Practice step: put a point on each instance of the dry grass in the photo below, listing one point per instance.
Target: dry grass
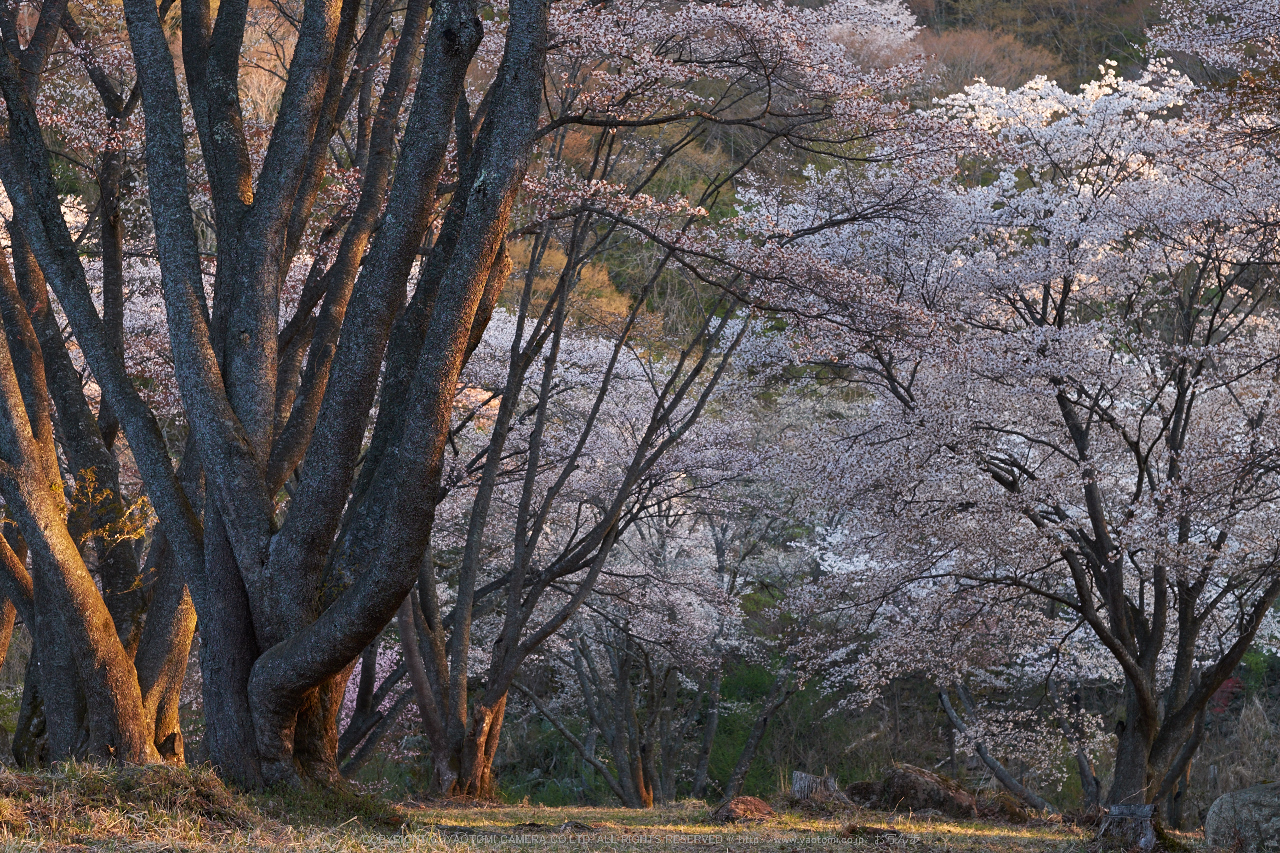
(687, 827)
(86, 807)
(79, 807)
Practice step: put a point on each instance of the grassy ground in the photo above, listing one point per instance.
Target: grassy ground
(685, 826)
(161, 809)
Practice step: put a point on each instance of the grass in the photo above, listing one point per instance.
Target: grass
(157, 808)
(89, 808)
(685, 826)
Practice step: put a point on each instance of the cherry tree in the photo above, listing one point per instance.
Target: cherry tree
(1238, 34)
(1011, 672)
(1075, 405)
(632, 662)
(322, 407)
(1236, 42)
(549, 474)
(639, 669)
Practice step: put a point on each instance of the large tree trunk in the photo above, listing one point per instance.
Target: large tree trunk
(57, 684)
(1134, 780)
(64, 590)
(274, 668)
(316, 737)
(479, 746)
(1178, 778)
(228, 648)
(163, 651)
(97, 513)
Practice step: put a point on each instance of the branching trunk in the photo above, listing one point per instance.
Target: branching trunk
(291, 541)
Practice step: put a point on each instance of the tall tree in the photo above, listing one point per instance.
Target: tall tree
(296, 475)
(1078, 418)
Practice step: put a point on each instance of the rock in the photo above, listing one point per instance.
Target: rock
(1247, 821)
(742, 808)
(908, 788)
(867, 794)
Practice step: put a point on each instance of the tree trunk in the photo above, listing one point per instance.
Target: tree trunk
(118, 723)
(708, 739)
(228, 648)
(1089, 782)
(110, 174)
(587, 753)
(1006, 778)
(1176, 800)
(30, 741)
(1134, 782)
(641, 773)
(475, 776)
(97, 513)
(315, 742)
(163, 652)
(781, 691)
(57, 683)
(8, 616)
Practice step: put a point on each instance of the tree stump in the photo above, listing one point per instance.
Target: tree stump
(1129, 825)
(806, 786)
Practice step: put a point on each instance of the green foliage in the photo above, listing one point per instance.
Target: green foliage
(1259, 669)
(391, 776)
(536, 765)
(748, 683)
(809, 733)
(70, 181)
